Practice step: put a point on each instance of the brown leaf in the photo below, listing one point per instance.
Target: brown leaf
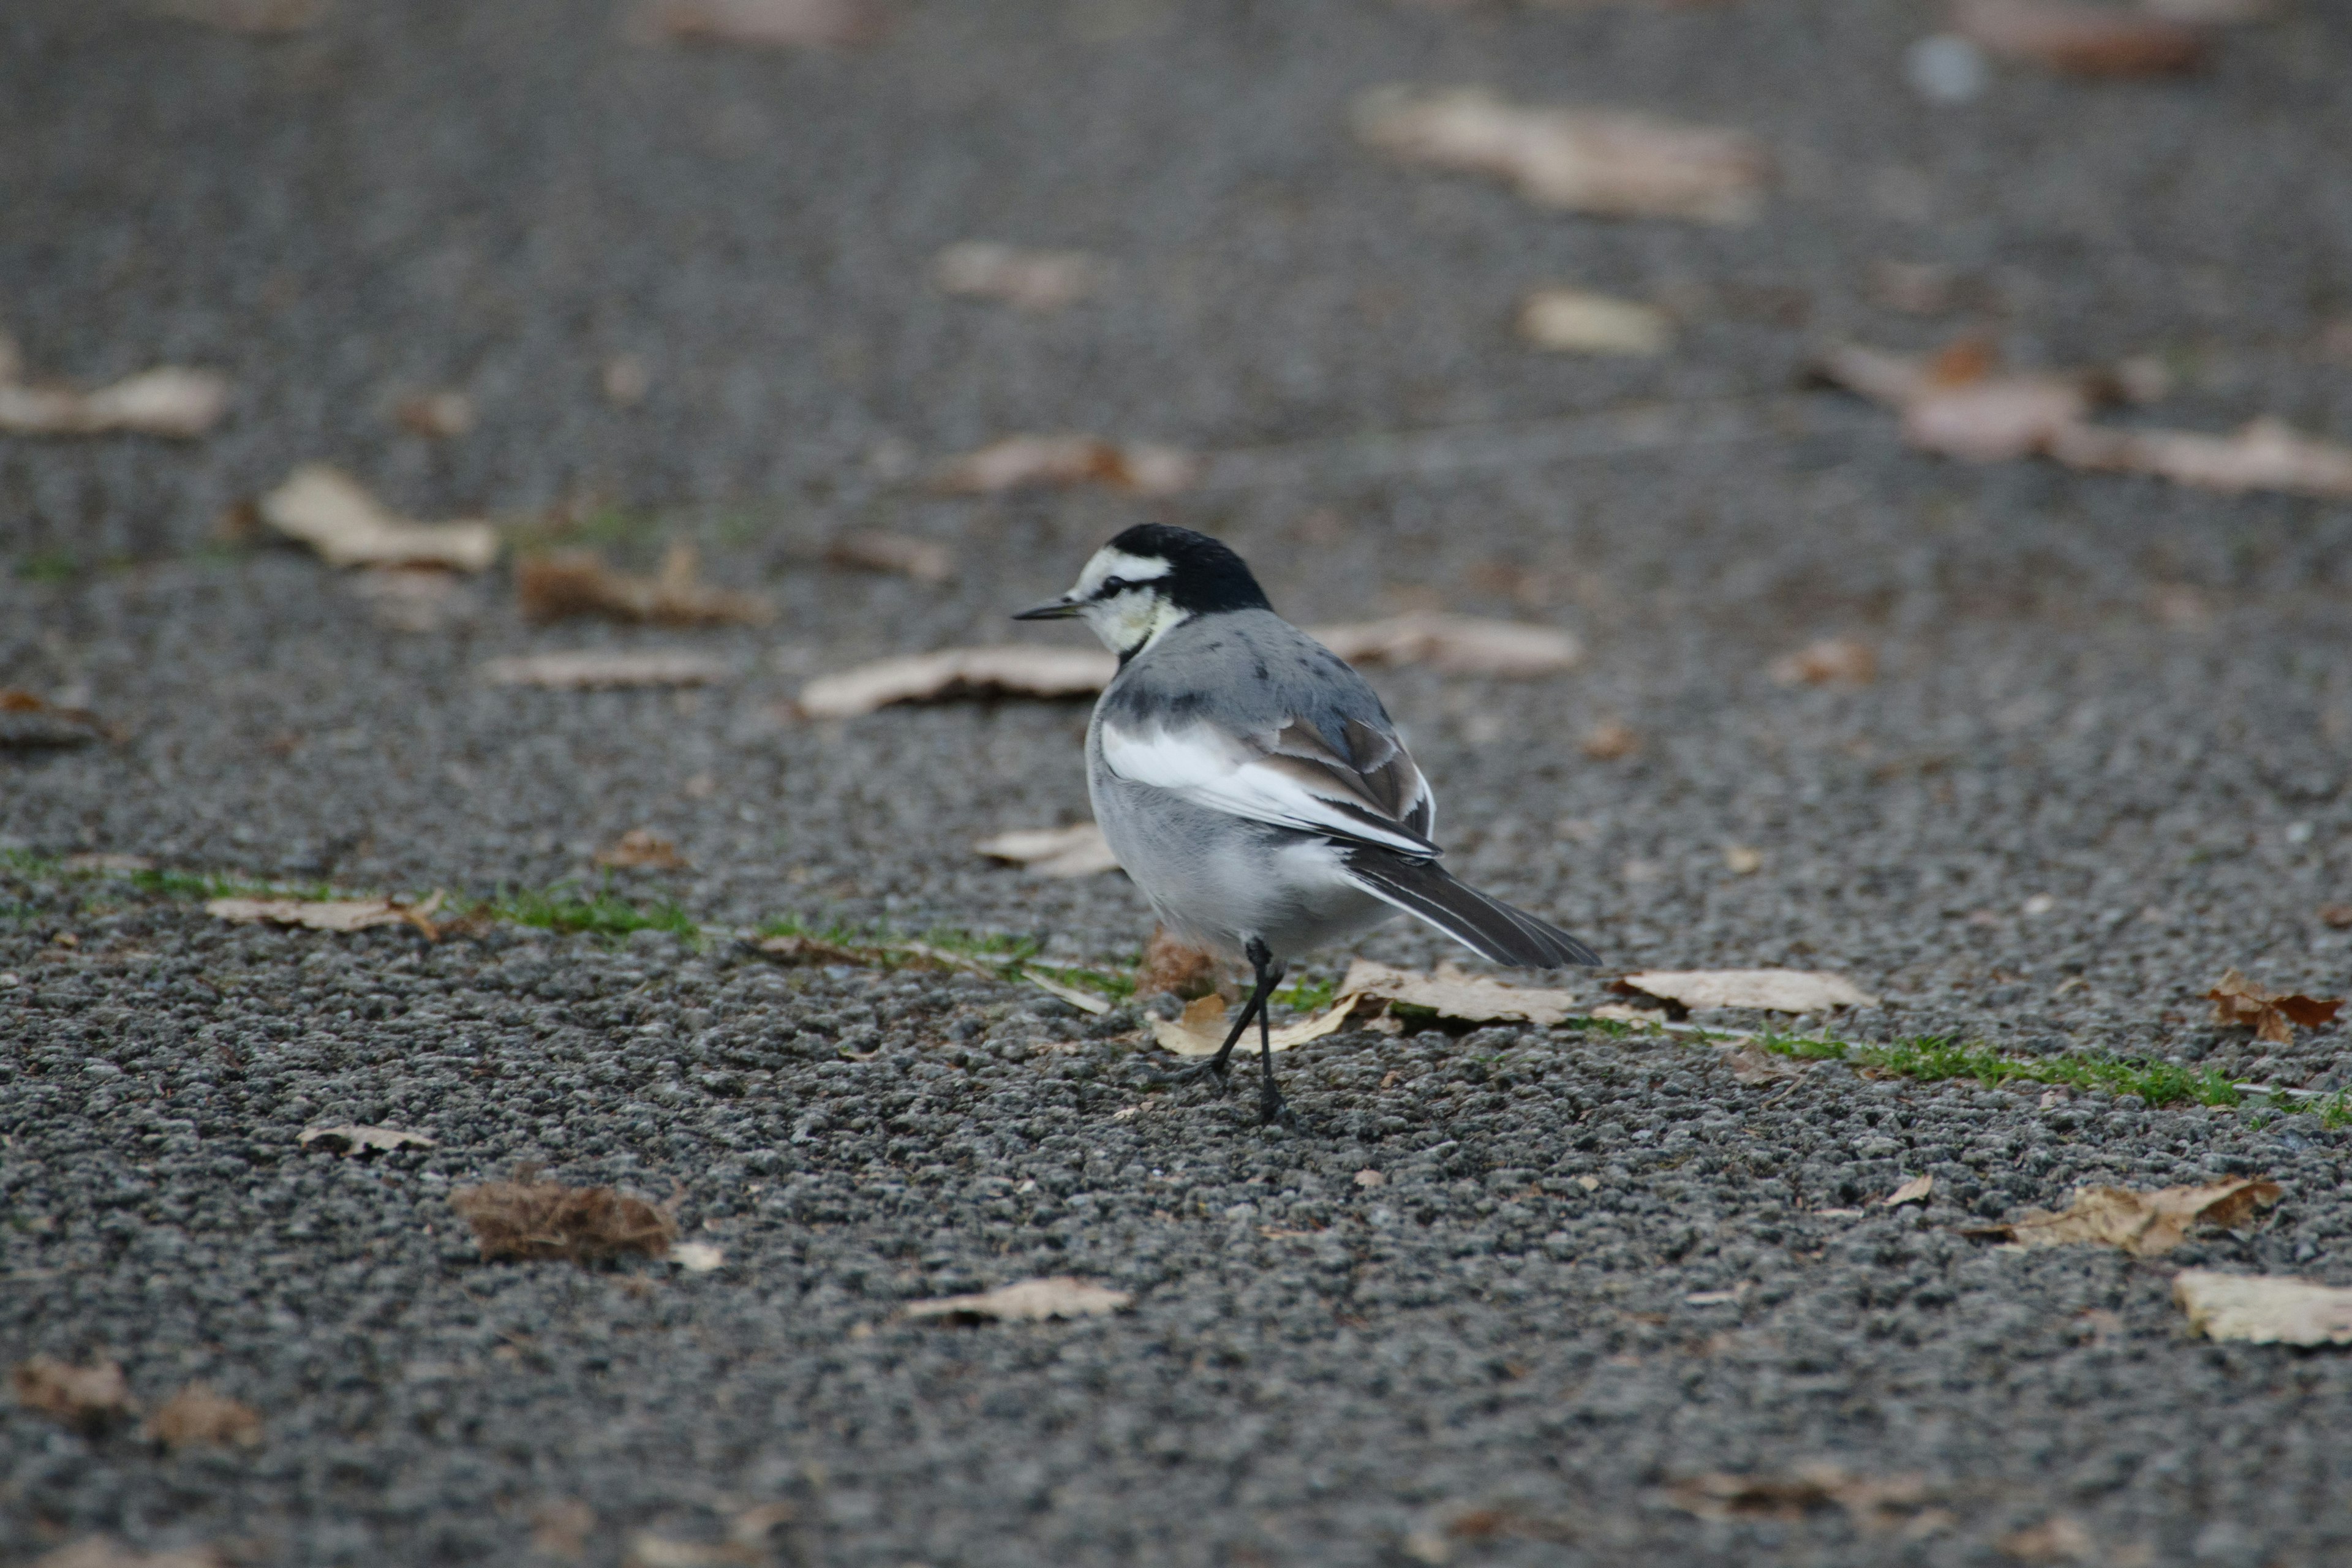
(874, 552)
(1018, 669)
(578, 582)
(2336, 916)
(262, 18)
(105, 1551)
(1618, 166)
(439, 416)
(348, 1139)
(1458, 645)
(171, 402)
(1914, 1191)
(546, 1219)
(29, 722)
(770, 23)
(1611, 740)
(2238, 1003)
(1022, 462)
(199, 1414)
(1833, 661)
(1075, 851)
(1765, 990)
(322, 507)
(86, 1398)
(330, 914)
(2058, 1538)
(1027, 1300)
(2263, 1309)
(2266, 454)
(1873, 1502)
(1173, 966)
(642, 850)
(590, 671)
(2081, 39)
(2145, 1224)
(1577, 321)
(1035, 280)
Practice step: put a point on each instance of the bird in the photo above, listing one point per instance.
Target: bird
(1252, 787)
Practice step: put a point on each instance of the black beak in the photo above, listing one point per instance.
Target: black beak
(1060, 609)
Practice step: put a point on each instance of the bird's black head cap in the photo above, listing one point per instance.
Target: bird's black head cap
(1205, 575)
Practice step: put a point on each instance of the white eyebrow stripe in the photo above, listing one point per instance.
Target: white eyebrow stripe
(1109, 563)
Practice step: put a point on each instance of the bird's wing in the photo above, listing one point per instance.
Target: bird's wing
(1290, 776)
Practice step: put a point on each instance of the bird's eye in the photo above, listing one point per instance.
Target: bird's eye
(1112, 585)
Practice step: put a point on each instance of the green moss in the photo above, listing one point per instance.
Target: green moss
(1933, 1058)
(563, 908)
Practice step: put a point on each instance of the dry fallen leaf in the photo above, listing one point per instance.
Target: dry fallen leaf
(2145, 1224)
(1201, 1032)
(1076, 851)
(588, 670)
(1174, 966)
(546, 1219)
(770, 23)
(28, 722)
(1752, 1064)
(1028, 1300)
(1765, 990)
(1873, 1503)
(105, 1551)
(1958, 404)
(1833, 661)
(440, 415)
(2081, 39)
(643, 849)
(1741, 860)
(1370, 1178)
(1576, 320)
(2263, 1309)
(1083, 1000)
(2238, 1003)
(171, 402)
(873, 552)
(1018, 462)
(85, 1398)
(322, 507)
(1914, 1191)
(1619, 1013)
(259, 16)
(348, 1139)
(2061, 1538)
(698, 1256)
(330, 914)
(1611, 740)
(578, 582)
(1020, 669)
(1457, 645)
(1618, 166)
(2266, 454)
(1367, 990)
(1038, 280)
(2335, 917)
(197, 1413)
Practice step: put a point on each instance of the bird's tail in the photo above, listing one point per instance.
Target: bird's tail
(1488, 927)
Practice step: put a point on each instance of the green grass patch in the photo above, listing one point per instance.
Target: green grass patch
(1308, 995)
(564, 907)
(1933, 1059)
(47, 566)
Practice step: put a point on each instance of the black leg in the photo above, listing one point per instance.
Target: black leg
(1269, 975)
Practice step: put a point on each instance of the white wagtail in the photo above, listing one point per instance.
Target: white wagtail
(1251, 782)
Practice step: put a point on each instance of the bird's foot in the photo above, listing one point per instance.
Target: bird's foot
(1272, 1111)
(1219, 1070)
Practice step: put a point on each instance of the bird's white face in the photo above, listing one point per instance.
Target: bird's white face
(1120, 597)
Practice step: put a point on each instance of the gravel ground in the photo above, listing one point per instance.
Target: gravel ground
(2103, 761)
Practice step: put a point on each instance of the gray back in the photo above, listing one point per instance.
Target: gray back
(1248, 671)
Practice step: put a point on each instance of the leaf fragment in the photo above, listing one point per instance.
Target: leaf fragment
(199, 1414)
(1578, 321)
(1831, 661)
(1611, 740)
(2079, 39)
(1763, 990)
(698, 1256)
(1026, 1300)
(641, 849)
(1201, 1032)
(595, 669)
(1613, 164)
(1457, 645)
(2061, 1538)
(770, 23)
(1874, 1502)
(1914, 1191)
(2267, 454)
(2238, 1003)
(1084, 1000)
(578, 582)
(322, 507)
(2263, 1309)
(2143, 1224)
(1025, 462)
(1018, 669)
(532, 1219)
(1079, 850)
(88, 1399)
(1035, 280)
(351, 1139)
(330, 914)
(172, 401)
(28, 722)
(872, 551)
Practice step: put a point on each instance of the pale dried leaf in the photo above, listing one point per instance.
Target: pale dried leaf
(200, 1415)
(1035, 280)
(1451, 993)
(2081, 39)
(586, 670)
(262, 18)
(2145, 1224)
(1201, 1032)
(1369, 1179)
(1008, 669)
(1914, 1191)
(1618, 166)
(348, 1139)
(770, 23)
(546, 1219)
(697, 1257)
(1619, 1013)
(2058, 1538)
(324, 914)
(2266, 454)
(1764, 990)
(1752, 1064)
(1028, 1300)
(1020, 462)
(642, 850)
(86, 1398)
(322, 507)
(1833, 661)
(1958, 404)
(170, 400)
(2263, 1309)
(1741, 860)
(1080, 850)
(1611, 740)
(874, 551)
(1458, 645)
(1084, 1000)
(578, 582)
(1577, 321)
(105, 1551)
